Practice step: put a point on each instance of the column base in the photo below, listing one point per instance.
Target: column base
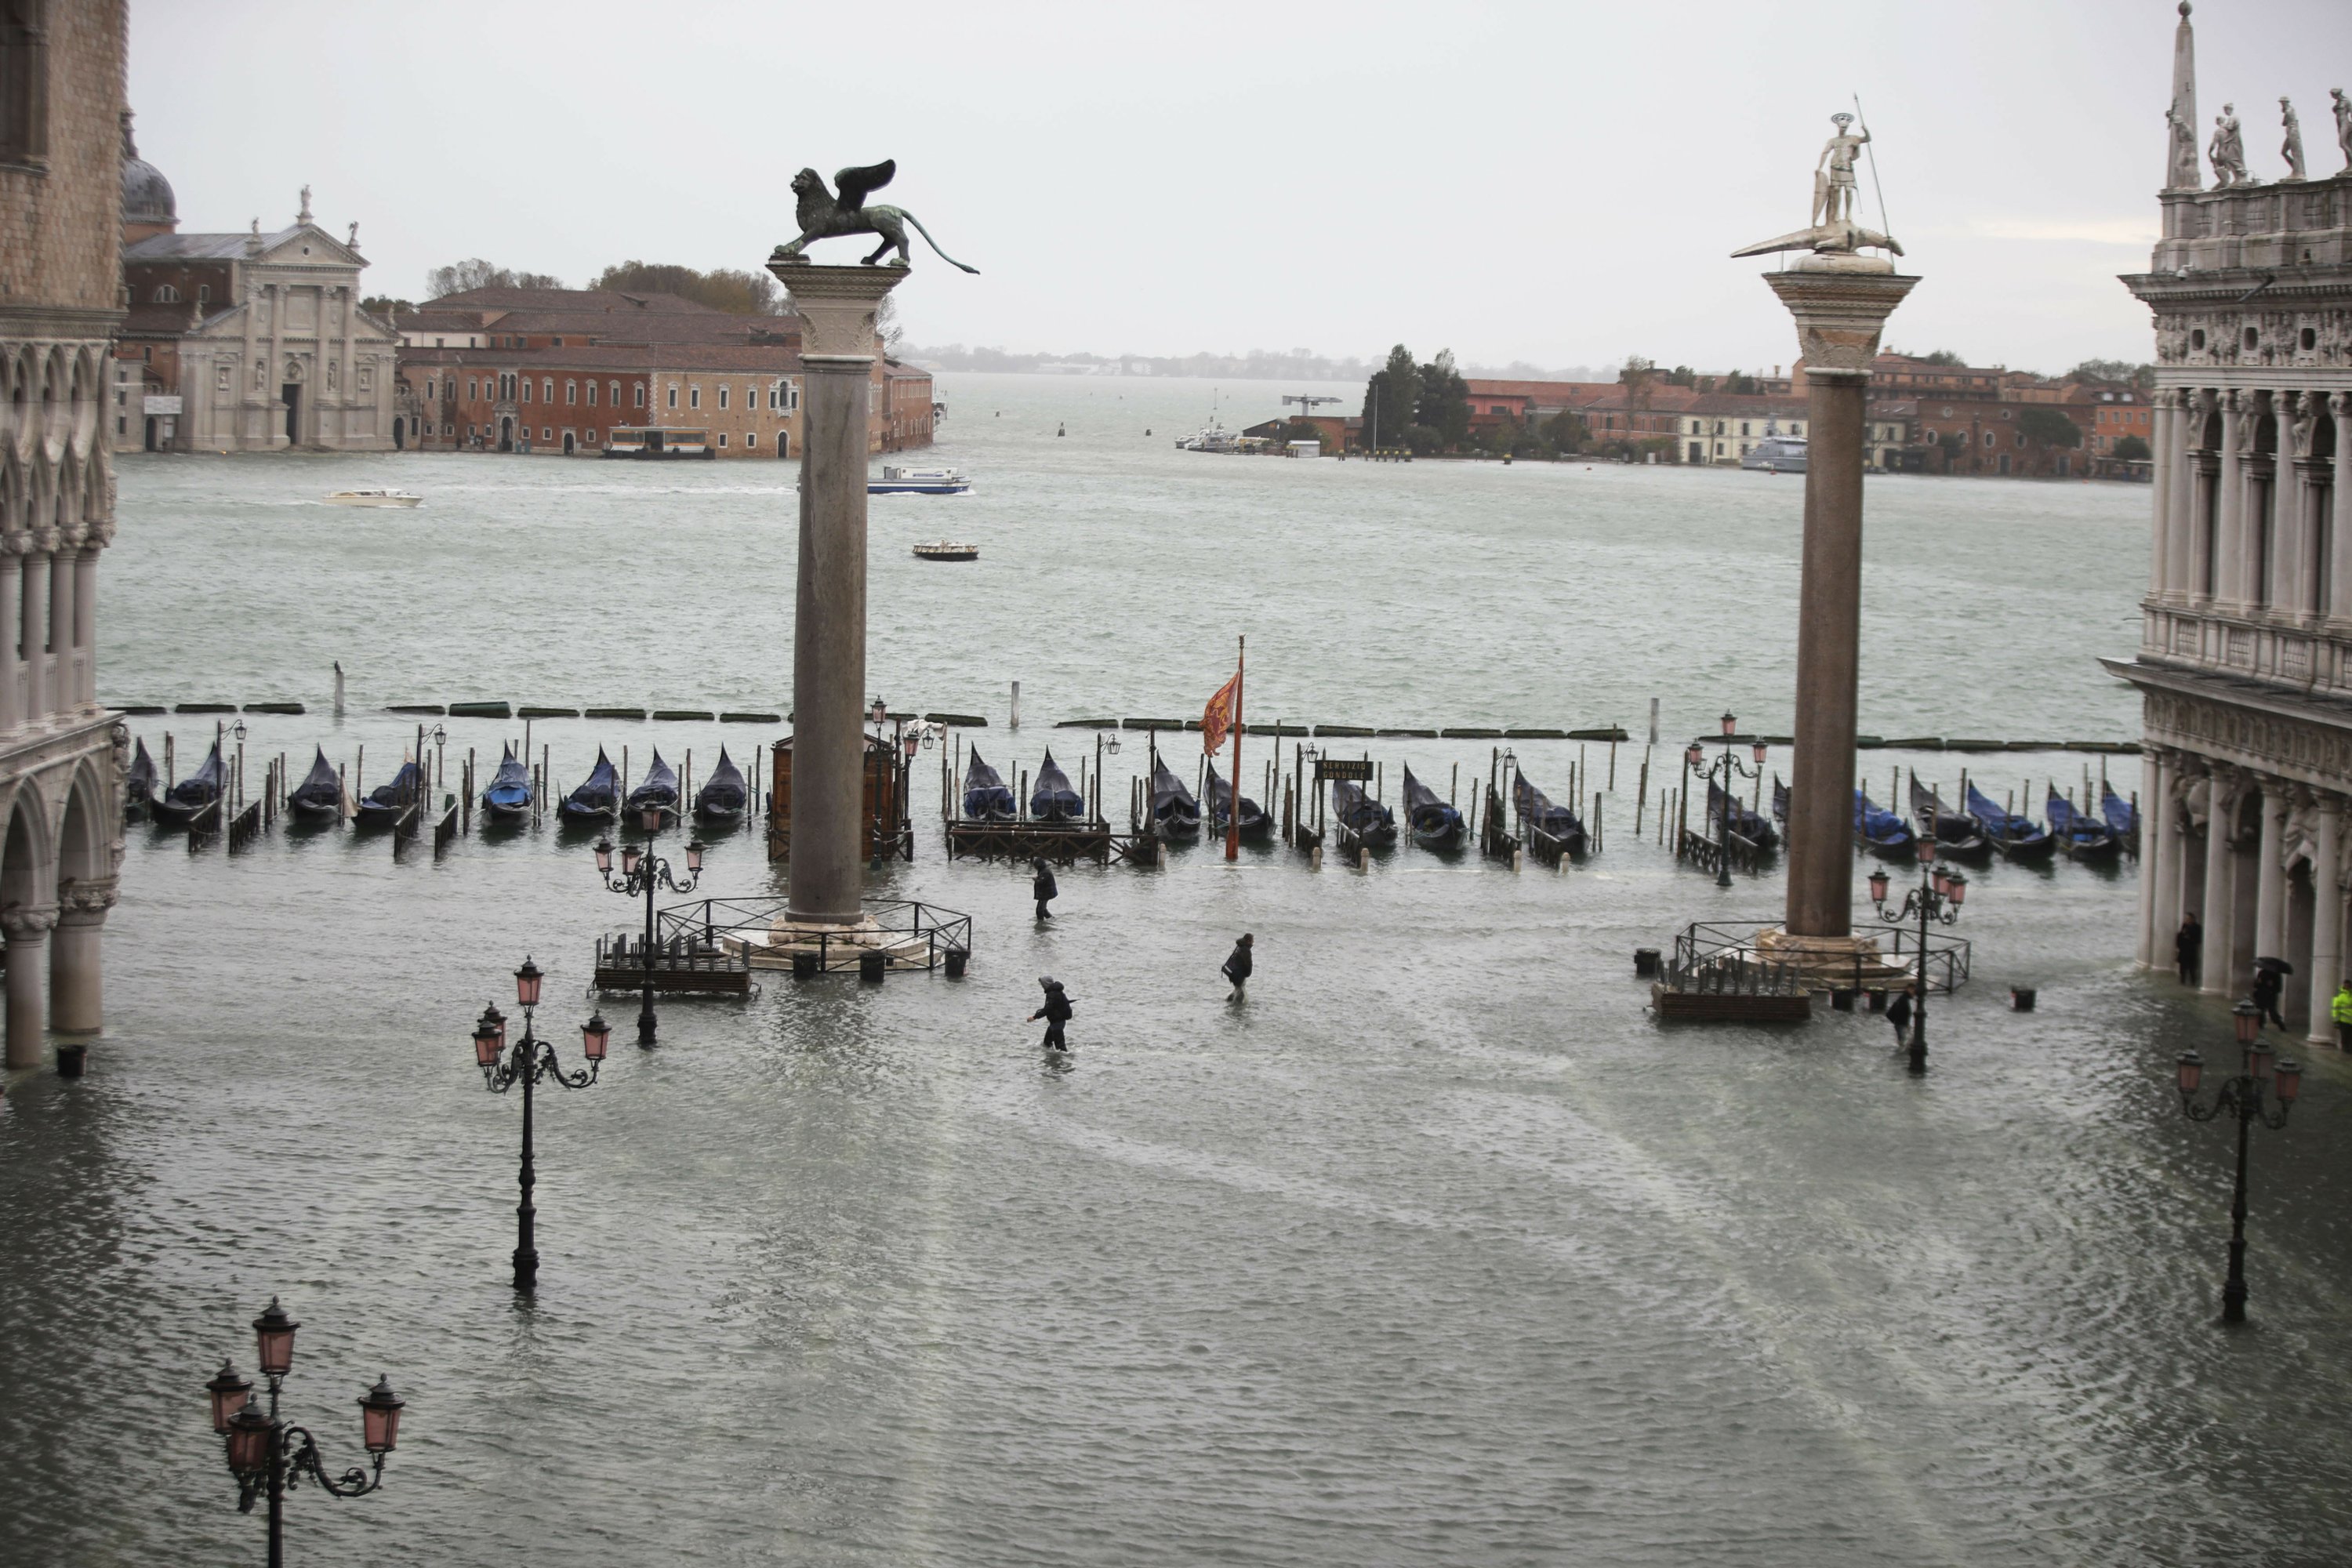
(1834, 963)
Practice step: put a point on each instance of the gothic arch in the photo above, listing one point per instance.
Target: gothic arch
(85, 853)
(27, 849)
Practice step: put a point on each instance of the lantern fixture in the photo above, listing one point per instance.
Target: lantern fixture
(487, 1038)
(594, 1035)
(1878, 885)
(1759, 750)
(1730, 725)
(1959, 890)
(1695, 754)
(2189, 1072)
(273, 1334)
(642, 872)
(249, 1436)
(527, 983)
(228, 1392)
(604, 856)
(2286, 1081)
(694, 851)
(2247, 1019)
(879, 712)
(380, 1410)
(236, 731)
(1928, 845)
(1111, 745)
(630, 856)
(649, 819)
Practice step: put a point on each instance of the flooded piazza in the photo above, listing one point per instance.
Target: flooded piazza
(1438, 1249)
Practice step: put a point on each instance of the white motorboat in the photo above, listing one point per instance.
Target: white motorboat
(1776, 453)
(374, 498)
(898, 481)
(947, 550)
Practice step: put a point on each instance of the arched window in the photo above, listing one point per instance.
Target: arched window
(166, 295)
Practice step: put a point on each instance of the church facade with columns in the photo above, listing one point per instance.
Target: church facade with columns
(2245, 658)
(62, 755)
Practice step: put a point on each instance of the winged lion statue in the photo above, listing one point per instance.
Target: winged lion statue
(824, 215)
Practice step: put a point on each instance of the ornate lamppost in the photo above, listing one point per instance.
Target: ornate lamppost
(1732, 768)
(1939, 896)
(2261, 1083)
(530, 1060)
(268, 1454)
(641, 872)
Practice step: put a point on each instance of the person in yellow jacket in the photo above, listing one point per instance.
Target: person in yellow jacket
(2340, 1009)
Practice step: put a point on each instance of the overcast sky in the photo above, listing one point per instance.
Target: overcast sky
(1557, 183)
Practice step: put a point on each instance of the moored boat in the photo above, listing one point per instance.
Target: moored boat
(1175, 810)
(598, 797)
(386, 803)
(139, 784)
(177, 806)
(1746, 825)
(947, 550)
(1052, 799)
(319, 796)
(1880, 831)
(1255, 822)
(724, 797)
(2080, 837)
(1373, 824)
(1538, 814)
(1434, 823)
(985, 799)
(658, 789)
(509, 797)
(910, 481)
(1957, 835)
(2122, 818)
(2012, 836)
(374, 498)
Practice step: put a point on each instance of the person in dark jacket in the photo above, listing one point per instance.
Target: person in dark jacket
(1898, 1013)
(2189, 951)
(1237, 966)
(1043, 889)
(1056, 1011)
(2265, 998)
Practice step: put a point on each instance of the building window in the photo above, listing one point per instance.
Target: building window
(641, 394)
(1988, 437)
(722, 435)
(2197, 338)
(2309, 340)
(589, 438)
(616, 394)
(2253, 339)
(557, 342)
(526, 389)
(472, 391)
(440, 342)
(122, 427)
(694, 397)
(449, 428)
(547, 433)
(2021, 437)
(547, 389)
(673, 395)
(204, 293)
(723, 396)
(571, 393)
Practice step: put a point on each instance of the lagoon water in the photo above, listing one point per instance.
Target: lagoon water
(1436, 1250)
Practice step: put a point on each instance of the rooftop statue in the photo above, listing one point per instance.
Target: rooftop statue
(2293, 149)
(1834, 230)
(2228, 149)
(823, 216)
(2343, 125)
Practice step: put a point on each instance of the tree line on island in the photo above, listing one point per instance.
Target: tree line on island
(731, 290)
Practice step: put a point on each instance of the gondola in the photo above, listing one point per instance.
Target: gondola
(2012, 836)
(724, 797)
(1540, 815)
(2122, 818)
(508, 799)
(1880, 831)
(985, 799)
(138, 785)
(179, 804)
(1434, 823)
(1779, 802)
(387, 802)
(1958, 836)
(2080, 837)
(658, 791)
(1255, 822)
(1053, 800)
(1175, 811)
(1745, 825)
(598, 798)
(319, 796)
(1373, 825)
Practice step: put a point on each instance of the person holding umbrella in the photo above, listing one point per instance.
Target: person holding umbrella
(2267, 986)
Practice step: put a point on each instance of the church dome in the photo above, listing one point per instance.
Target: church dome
(147, 195)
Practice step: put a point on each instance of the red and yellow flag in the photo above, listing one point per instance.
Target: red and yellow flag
(1217, 718)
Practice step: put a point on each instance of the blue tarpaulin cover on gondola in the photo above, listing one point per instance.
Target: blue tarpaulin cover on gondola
(510, 792)
(1053, 800)
(1174, 808)
(1220, 797)
(387, 801)
(599, 794)
(985, 799)
(2083, 838)
(724, 796)
(2123, 821)
(1879, 828)
(321, 793)
(659, 787)
(185, 799)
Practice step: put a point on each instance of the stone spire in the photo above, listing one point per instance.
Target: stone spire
(2181, 170)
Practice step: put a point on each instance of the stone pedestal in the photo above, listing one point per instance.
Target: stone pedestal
(1840, 302)
(27, 927)
(836, 306)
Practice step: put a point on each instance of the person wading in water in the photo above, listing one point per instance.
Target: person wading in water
(1055, 1012)
(1237, 967)
(1043, 888)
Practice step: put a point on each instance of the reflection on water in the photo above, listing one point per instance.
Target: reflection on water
(1436, 1250)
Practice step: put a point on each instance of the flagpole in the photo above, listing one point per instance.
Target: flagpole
(1233, 812)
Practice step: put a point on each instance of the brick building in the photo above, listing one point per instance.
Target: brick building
(62, 756)
(557, 370)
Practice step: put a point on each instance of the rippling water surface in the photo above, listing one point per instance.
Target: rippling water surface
(1436, 1250)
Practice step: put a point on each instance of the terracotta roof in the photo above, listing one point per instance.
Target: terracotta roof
(774, 358)
(1754, 404)
(575, 301)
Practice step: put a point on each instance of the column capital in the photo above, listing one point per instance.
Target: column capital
(837, 305)
(2339, 403)
(2327, 803)
(84, 900)
(28, 923)
(1839, 316)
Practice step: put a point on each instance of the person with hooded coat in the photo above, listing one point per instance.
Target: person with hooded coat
(1056, 1011)
(1237, 966)
(1043, 888)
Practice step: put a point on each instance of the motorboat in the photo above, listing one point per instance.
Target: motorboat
(947, 550)
(374, 498)
(1776, 453)
(319, 796)
(724, 797)
(508, 798)
(905, 481)
(179, 804)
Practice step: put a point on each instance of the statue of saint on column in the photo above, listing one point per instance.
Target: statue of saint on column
(1833, 231)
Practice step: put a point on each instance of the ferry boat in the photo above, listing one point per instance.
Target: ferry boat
(898, 481)
(374, 498)
(946, 550)
(653, 442)
(1776, 454)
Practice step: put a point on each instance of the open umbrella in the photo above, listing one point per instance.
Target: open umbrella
(2275, 965)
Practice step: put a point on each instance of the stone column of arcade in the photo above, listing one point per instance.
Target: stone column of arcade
(825, 883)
(27, 927)
(75, 989)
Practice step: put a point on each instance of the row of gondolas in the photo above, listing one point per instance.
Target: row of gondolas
(1175, 811)
(1984, 829)
(509, 798)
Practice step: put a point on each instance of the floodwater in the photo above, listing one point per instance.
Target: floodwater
(1436, 1249)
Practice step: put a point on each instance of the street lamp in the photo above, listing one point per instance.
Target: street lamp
(1732, 768)
(1939, 896)
(641, 872)
(530, 1060)
(268, 1454)
(2241, 1097)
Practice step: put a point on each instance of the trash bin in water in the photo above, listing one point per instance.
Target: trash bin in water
(1842, 1000)
(71, 1059)
(2021, 998)
(1645, 963)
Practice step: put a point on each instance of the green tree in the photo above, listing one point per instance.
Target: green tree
(727, 288)
(1566, 431)
(1681, 375)
(2131, 450)
(1389, 399)
(1444, 402)
(1741, 381)
(386, 305)
(1942, 356)
(2040, 422)
(463, 276)
(2142, 376)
